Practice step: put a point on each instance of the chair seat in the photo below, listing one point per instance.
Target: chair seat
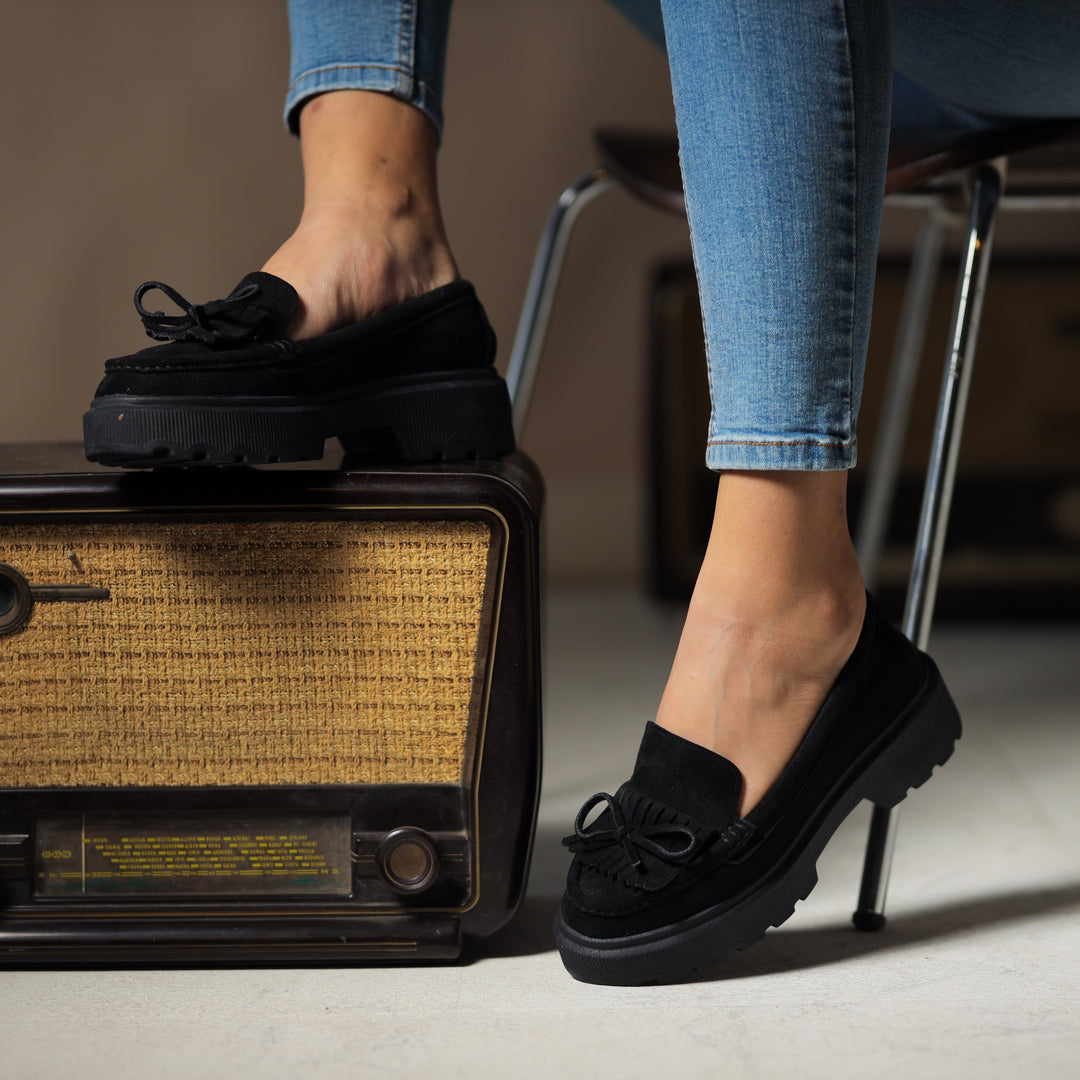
(647, 163)
(918, 157)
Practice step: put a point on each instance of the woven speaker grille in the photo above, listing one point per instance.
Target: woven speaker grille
(269, 652)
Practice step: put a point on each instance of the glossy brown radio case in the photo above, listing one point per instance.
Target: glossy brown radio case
(264, 715)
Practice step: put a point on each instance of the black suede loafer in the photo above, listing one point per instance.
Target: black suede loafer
(668, 879)
(416, 382)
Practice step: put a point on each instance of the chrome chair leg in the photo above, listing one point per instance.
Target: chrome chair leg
(904, 369)
(536, 310)
(937, 496)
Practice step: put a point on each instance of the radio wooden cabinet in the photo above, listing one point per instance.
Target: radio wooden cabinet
(264, 714)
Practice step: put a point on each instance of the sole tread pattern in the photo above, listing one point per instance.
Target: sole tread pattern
(448, 419)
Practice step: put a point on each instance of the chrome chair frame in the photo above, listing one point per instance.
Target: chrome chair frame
(540, 291)
(987, 198)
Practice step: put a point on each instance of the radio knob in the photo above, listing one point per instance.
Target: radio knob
(407, 860)
(16, 599)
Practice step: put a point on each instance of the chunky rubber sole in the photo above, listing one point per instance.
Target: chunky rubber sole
(454, 416)
(920, 741)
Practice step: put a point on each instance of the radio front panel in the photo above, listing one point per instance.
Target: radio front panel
(305, 698)
(247, 652)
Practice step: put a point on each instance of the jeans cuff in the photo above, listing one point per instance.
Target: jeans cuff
(761, 454)
(386, 79)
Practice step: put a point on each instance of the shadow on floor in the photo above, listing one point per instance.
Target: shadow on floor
(797, 950)
(793, 949)
(528, 934)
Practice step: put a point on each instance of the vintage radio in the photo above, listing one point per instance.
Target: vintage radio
(264, 714)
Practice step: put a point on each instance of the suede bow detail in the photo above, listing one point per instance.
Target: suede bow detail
(231, 321)
(646, 844)
(634, 838)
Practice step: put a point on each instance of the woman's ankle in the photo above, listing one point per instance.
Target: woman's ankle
(371, 235)
(776, 612)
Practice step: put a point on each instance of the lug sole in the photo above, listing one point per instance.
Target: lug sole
(455, 416)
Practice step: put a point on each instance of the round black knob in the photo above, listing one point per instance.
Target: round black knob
(407, 860)
(16, 599)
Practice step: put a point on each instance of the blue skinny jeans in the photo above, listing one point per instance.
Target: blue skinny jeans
(784, 109)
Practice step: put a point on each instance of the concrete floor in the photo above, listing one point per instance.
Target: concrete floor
(977, 973)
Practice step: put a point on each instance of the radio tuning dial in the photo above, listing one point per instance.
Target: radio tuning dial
(407, 860)
(16, 599)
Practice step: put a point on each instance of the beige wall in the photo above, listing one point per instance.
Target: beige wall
(142, 139)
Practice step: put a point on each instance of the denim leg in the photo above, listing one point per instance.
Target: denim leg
(394, 46)
(782, 113)
(783, 117)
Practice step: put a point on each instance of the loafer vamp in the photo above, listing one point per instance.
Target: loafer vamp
(649, 847)
(611, 893)
(643, 852)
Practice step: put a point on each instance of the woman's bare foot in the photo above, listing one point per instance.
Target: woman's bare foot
(776, 612)
(371, 234)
